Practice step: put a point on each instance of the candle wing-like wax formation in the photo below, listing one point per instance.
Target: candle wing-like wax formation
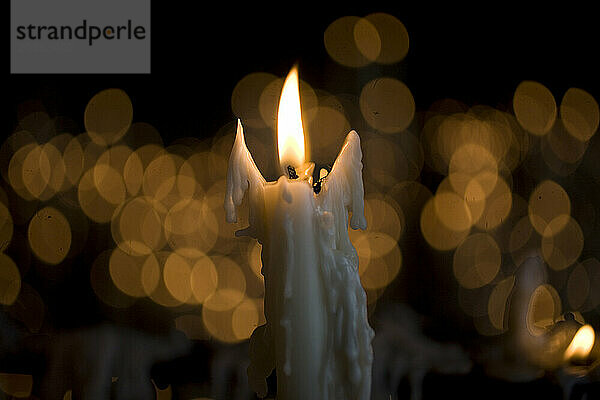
(317, 336)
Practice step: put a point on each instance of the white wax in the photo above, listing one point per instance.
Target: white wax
(317, 337)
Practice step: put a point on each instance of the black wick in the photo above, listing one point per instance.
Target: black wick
(292, 172)
(317, 184)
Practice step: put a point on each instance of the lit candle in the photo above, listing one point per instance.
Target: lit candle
(316, 336)
(579, 371)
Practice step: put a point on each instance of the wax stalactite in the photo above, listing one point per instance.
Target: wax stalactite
(316, 337)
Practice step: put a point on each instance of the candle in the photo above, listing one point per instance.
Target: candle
(316, 337)
(579, 371)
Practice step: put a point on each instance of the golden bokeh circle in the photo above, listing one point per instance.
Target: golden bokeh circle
(244, 319)
(477, 261)
(562, 242)
(547, 201)
(393, 37)
(387, 105)
(366, 39)
(534, 107)
(204, 279)
(580, 114)
(231, 285)
(107, 116)
(340, 43)
(435, 232)
(134, 275)
(49, 235)
(177, 276)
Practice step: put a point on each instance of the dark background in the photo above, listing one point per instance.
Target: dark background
(474, 55)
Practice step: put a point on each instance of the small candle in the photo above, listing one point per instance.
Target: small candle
(579, 370)
(316, 337)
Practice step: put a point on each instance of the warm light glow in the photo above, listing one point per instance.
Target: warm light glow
(290, 133)
(582, 343)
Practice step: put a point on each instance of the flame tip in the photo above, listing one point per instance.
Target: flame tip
(290, 132)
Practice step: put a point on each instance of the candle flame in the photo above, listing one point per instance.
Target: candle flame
(582, 343)
(290, 133)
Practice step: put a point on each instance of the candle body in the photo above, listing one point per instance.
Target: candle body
(294, 300)
(317, 336)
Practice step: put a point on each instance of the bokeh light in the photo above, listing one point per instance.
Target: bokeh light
(387, 105)
(534, 107)
(108, 116)
(49, 235)
(580, 114)
(477, 261)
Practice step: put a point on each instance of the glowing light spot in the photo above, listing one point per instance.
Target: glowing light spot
(582, 343)
(133, 170)
(231, 286)
(204, 279)
(160, 176)
(109, 184)
(340, 43)
(136, 276)
(393, 38)
(436, 233)
(452, 211)
(161, 294)
(103, 285)
(73, 160)
(331, 127)
(534, 107)
(366, 39)
(92, 203)
(219, 324)
(191, 228)
(562, 242)
(382, 269)
(548, 201)
(476, 261)
(497, 206)
(16, 171)
(108, 116)
(177, 274)
(36, 171)
(244, 319)
(383, 217)
(138, 227)
(246, 96)
(387, 105)
(49, 235)
(580, 114)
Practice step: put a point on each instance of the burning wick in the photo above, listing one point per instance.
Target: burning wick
(292, 172)
(322, 175)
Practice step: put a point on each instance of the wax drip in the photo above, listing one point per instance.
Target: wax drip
(292, 172)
